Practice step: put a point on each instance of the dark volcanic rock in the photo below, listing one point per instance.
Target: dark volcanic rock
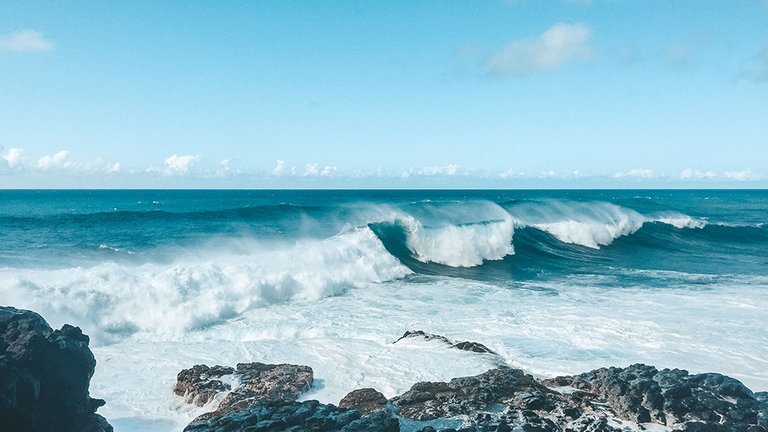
(199, 384)
(419, 334)
(473, 347)
(672, 397)
(261, 382)
(466, 395)
(365, 400)
(281, 416)
(464, 346)
(44, 376)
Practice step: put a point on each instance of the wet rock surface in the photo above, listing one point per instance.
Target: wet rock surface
(200, 383)
(365, 400)
(464, 346)
(296, 417)
(673, 397)
(503, 399)
(44, 376)
(265, 400)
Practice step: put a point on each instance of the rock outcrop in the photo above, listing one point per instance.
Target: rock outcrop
(673, 397)
(281, 416)
(200, 383)
(464, 346)
(44, 376)
(265, 400)
(502, 399)
(365, 400)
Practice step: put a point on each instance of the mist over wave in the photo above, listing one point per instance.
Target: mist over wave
(202, 289)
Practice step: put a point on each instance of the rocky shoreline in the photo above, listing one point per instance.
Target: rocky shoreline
(45, 374)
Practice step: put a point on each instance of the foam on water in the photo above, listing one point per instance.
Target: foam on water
(112, 301)
(587, 224)
(548, 329)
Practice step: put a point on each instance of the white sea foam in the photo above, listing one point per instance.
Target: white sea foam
(544, 328)
(113, 301)
(461, 245)
(680, 221)
(456, 234)
(588, 224)
(592, 224)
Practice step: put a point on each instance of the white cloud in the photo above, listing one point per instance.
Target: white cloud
(14, 157)
(554, 48)
(281, 169)
(57, 160)
(447, 170)
(636, 173)
(60, 161)
(310, 170)
(178, 165)
(743, 175)
(691, 174)
(25, 41)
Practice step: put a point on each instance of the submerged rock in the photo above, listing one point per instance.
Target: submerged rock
(464, 346)
(44, 376)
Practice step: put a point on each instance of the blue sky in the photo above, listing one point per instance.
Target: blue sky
(523, 93)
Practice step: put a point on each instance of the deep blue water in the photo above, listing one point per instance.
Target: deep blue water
(648, 237)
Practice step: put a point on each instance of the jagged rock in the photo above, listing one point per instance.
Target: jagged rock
(281, 416)
(466, 395)
(672, 397)
(199, 384)
(365, 400)
(44, 376)
(258, 383)
(419, 334)
(473, 347)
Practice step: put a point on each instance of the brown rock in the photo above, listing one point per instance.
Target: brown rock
(365, 400)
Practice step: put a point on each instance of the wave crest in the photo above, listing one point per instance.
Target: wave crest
(114, 301)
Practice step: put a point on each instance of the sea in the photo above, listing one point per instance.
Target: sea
(554, 281)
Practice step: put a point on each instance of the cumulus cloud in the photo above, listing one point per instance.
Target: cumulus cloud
(635, 173)
(178, 165)
(743, 175)
(60, 161)
(692, 174)
(560, 44)
(13, 157)
(25, 41)
(56, 160)
(447, 170)
(281, 169)
(311, 169)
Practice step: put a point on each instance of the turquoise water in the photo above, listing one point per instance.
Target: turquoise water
(555, 232)
(554, 281)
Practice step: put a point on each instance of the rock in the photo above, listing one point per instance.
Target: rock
(671, 397)
(365, 400)
(419, 334)
(258, 383)
(473, 347)
(282, 416)
(44, 376)
(199, 385)
(465, 396)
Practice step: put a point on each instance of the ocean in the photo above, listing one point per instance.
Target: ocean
(555, 281)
